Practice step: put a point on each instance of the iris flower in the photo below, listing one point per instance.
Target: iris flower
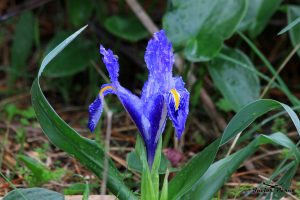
(162, 95)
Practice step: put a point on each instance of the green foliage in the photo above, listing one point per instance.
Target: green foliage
(258, 15)
(127, 28)
(78, 188)
(294, 32)
(39, 173)
(32, 194)
(224, 105)
(238, 85)
(201, 26)
(79, 11)
(22, 44)
(76, 57)
(290, 26)
(86, 151)
(279, 125)
(193, 172)
(134, 163)
(220, 171)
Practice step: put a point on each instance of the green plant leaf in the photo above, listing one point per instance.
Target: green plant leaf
(134, 163)
(78, 188)
(294, 32)
(22, 44)
(40, 173)
(201, 26)
(220, 171)
(76, 57)
(127, 28)
(191, 173)
(79, 11)
(32, 194)
(289, 26)
(238, 85)
(86, 151)
(258, 15)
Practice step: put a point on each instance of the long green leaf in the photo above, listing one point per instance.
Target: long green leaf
(294, 32)
(219, 172)
(22, 44)
(86, 151)
(190, 175)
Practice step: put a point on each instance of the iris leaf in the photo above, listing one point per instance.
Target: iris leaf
(191, 174)
(87, 152)
(294, 32)
(220, 171)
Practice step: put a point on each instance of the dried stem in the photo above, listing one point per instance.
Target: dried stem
(109, 114)
(142, 15)
(213, 113)
(279, 70)
(233, 143)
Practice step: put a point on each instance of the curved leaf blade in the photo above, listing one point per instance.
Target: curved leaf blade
(192, 172)
(88, 152)
(218, 173)
(294, 32)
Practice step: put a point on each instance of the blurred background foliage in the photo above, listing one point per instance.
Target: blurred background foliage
(226, 50)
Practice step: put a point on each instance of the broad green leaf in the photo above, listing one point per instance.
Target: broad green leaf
(219, 172)
(86, 151)
(201, 26)
(293, 14)
(22, 44)
(128, 28)
(76, 57)
(191, 173)
(258, 15)
(238, 85)
(33, 194)
(79, 11)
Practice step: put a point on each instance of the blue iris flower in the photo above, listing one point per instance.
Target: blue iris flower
(162, 95)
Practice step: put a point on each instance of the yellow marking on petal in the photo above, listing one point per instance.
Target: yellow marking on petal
(176, 97)
(105, 88)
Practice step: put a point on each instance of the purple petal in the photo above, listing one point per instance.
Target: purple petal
(159, 56)
(133, 106)
(95, 111)
(178, 112)
(96, 108)
(156, 112)
(111, 62)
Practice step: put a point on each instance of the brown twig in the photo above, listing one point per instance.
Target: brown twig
(212, 112)
(27, 5)
(109, 114)
(280, 69)
(142, 15)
